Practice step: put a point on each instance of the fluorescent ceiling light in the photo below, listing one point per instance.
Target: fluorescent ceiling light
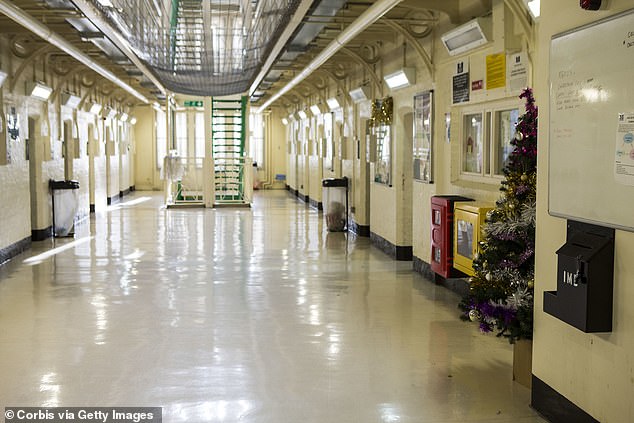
(3, 76)
(401, 78)
(315, 110)
(333, 103)
(133, 120)
(123, 117)
(360, 94)
(70, 100)
(285, 121)
(39, 90)
(534, 8)
(302, 114)
(112, 113)
(466, 37)
(21, 17)
(95, 108)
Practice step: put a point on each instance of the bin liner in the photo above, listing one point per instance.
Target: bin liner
(335, 193)
(65, 202)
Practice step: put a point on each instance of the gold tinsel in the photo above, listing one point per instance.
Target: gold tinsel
(382, 111)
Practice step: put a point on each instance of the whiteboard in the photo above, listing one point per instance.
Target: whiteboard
(591, 160)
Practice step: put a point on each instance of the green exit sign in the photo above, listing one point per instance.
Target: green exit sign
(193, 103)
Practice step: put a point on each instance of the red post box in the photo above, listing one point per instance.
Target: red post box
(442, 234)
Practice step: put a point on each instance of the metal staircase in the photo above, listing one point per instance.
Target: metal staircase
(228, 128)
(187, 33)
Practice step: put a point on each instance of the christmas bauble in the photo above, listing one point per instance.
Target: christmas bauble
(519, 136)
(489, 277)
(524, 177)
(530, 284)
(474, 315)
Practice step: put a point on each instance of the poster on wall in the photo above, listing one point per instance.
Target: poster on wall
(517, 71)
(13, 129)
(460, 83)
(381, 121)
(13, 124)
(423, 118)
(624, 157)
(496, 71)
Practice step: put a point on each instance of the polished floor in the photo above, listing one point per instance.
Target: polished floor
(237, 315)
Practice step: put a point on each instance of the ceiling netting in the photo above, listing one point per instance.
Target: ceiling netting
(201, 47)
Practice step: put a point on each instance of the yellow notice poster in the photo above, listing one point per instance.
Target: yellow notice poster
(496, 71)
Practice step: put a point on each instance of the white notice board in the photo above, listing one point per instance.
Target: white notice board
(591, 140)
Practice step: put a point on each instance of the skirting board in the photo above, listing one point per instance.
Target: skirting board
(317, 205)
(361, 230)
(41, 234)
(458, 285)
(554, 406)
(10, 251)
(424, 268)
(396, 252)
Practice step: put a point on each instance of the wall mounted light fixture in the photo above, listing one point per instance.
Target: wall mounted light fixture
(3, 76)
(361, 93)
(534, 8)
(467, 37)
(401, 78)
(333, 103)
(112, 113)
(95, 108)
(38, 90)
(70, 100)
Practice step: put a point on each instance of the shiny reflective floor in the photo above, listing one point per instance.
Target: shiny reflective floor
(238, 315)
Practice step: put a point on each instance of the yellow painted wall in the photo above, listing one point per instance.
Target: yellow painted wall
(595, 371)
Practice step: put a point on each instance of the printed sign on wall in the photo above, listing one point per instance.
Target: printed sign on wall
(496, 71)
(460, 83)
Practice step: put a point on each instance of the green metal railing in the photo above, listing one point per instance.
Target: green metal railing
(228, 127)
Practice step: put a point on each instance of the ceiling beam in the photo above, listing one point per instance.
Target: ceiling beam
(367, 18)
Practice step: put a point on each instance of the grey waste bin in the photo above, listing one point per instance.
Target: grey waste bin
(335, 200)
(65, 202)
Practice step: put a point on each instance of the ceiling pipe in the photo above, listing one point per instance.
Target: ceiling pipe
(122, 44)
(367, 18)
(281, 42)
(18, 15)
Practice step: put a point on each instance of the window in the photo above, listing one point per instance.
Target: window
(473, 144)
(329, 153)
(161, 138)
(383, 166)
(506, 122)
(485, 142)
(256, 141)
(199, 134)
(181, 134)
(4, 153)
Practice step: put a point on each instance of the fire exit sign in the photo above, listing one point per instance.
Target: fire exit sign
(193, 103)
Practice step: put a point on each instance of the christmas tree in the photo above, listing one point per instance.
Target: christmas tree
(501, 291)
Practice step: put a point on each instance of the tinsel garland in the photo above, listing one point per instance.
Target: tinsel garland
(501, 290)
(382, 110)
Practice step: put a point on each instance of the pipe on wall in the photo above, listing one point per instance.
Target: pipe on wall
(21, 17)
(367, 18)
